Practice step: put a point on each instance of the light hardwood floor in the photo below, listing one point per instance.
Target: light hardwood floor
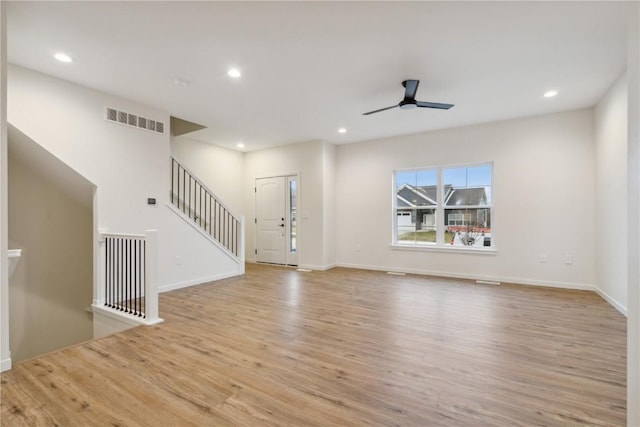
(340, 348)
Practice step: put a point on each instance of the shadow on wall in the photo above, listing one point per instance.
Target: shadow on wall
(51, 220)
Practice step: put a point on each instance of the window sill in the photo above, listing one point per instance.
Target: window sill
(447, 248)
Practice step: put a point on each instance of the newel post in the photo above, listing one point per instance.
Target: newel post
(99, 290)
(241, 254)
(151, 277)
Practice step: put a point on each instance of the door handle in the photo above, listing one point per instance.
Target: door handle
(281, 225)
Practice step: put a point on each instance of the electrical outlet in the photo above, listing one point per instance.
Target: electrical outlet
(178, 260)
(543, 258)
(568, 259)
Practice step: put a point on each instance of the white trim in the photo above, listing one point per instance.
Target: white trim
(5, 365)
(318, 267)
(445, 248)
(503, 280)
(194, 282)
(14, 253)
(105, 234)
(5, 346)
(115, 314)
(151, 303)
(242, 243)
(621, 308)
(406, 201)
(291, 257)
(302, 266)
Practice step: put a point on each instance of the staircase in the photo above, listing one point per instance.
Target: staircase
(204, 210)
(127, 294)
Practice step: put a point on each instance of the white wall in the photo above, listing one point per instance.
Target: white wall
(52, 285)
(220, 169)
(633, 293)
(610, 123)
(329, 203)
(543, 195)
(306, 160)
(187, 257)
(231, 176)
(126, 164)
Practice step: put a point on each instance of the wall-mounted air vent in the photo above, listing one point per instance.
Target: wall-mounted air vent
(122, 117)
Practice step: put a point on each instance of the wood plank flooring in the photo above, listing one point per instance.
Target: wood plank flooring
(278, 347)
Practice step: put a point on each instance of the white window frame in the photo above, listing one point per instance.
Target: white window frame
(441, 245)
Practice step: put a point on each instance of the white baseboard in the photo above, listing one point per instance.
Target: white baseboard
(307, 266)
(199, 281)
(5, 365)
(317, 267)
(501, 279)
(621, 308)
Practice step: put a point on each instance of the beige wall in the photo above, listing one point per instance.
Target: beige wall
(53, 283)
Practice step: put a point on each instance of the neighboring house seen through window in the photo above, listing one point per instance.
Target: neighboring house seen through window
(444, 206)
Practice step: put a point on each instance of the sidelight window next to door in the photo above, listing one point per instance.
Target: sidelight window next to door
(277, 233)
(291, 208)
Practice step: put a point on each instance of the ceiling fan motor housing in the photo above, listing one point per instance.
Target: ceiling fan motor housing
(408, 104)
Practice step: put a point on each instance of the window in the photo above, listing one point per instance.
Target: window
(292, 204)
(443, 207)
(456, 219)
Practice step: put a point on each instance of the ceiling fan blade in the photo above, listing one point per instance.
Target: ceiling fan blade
(434, 105)
(411, 87)
(382, 109)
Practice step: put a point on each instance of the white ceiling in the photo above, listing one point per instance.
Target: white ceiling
(312, 67)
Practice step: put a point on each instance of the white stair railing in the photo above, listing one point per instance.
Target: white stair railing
(128, 285)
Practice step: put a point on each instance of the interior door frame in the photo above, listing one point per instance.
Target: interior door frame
(288, 254)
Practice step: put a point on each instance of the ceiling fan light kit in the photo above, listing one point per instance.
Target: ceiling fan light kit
(409, 102)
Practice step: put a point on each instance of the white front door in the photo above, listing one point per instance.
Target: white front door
(276, 220)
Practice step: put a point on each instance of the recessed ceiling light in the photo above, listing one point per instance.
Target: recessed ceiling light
(342, 130)
(550, 93)
(240, 145)
(234, 72)
(63, 57)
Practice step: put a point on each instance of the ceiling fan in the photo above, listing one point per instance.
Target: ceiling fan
(409, 102)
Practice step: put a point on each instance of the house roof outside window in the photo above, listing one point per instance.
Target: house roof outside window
(409, 196)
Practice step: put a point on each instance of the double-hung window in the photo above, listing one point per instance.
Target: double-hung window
(448, 206)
